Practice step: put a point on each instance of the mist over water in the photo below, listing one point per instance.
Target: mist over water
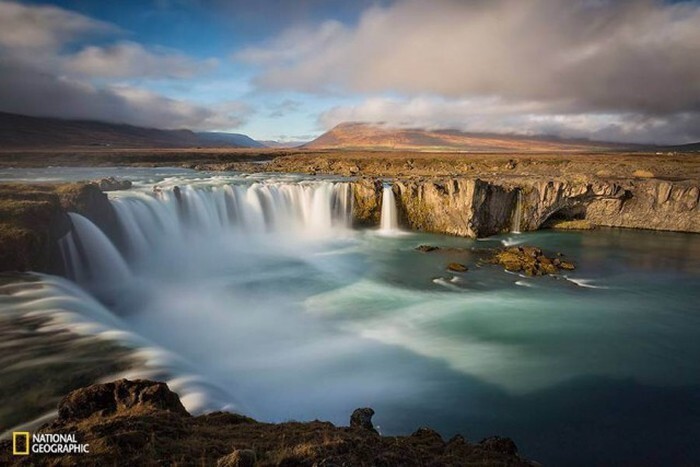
(253, 293)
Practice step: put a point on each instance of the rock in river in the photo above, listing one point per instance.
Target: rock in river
(529, 260)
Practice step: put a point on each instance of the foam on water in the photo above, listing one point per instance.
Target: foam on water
(586, 283)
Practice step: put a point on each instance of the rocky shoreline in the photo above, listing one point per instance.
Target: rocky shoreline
(143, 422)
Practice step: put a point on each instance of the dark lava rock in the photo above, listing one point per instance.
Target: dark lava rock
(428, 435)
(457, 267)
(499, 444)
(108, 398)
(362, 418)
(113, 184)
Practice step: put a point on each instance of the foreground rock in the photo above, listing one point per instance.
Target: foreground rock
(143, 422)
(529, 260)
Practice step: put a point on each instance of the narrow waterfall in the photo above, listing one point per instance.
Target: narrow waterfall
(204, 218)
(518, 213)
(388, 222)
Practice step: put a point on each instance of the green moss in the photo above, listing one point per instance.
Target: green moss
(579, 224)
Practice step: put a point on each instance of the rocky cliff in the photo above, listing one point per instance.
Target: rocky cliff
(479, 207)
(34, 217)
(144, 423)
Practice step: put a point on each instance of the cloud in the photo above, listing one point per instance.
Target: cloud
(129, 60)
(32, 91)
(618, 68)
(39, 77)
(44, 27)
(627, 55)
(285, 107)
(495, 115)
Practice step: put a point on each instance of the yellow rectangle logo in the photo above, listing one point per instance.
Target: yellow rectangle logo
(19, 448)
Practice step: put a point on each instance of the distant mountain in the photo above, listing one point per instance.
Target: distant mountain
(372, 136)
(21, 131)
(283, 144)
(690, 147)
(230, 139)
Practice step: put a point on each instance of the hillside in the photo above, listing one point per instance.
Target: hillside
(369, 136)
(20, 131)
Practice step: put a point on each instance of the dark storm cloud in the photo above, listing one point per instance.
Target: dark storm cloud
(627, 55)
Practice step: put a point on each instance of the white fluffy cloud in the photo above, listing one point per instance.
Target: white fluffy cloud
(629, 55)
(32, 91)
(44, 27)
(129, 60)
(484, 115)
(38, 76)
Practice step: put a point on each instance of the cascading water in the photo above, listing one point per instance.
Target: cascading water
(388, 222)
(518, 213)
(90, 256)
(205, 259)
(171, 221)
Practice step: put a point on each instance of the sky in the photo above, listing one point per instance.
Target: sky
(613, 70)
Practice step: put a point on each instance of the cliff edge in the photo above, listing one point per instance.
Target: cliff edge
(143, 422)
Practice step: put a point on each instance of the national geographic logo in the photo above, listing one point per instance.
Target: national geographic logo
(46, 443)
(20, 443)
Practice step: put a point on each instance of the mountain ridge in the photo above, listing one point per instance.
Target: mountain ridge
(357, 135)
(24, 131)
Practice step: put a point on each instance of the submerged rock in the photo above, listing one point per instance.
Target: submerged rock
(457, 267)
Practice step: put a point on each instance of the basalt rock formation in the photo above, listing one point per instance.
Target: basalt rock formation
(476, 207)
(144, 423)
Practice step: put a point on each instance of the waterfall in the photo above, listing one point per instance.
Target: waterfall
(203, 219)
(90, 256)
(518, 213)
(389, 220)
